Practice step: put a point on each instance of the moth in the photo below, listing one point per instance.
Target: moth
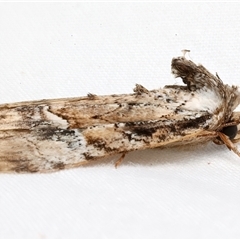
(49, 135)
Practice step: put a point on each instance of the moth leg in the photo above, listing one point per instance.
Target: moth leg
(218, 141)
(225, 139)
(119, 161)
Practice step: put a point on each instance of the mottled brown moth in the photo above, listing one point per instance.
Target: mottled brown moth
(48, 135)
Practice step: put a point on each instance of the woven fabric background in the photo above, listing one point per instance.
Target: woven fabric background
(55, 50)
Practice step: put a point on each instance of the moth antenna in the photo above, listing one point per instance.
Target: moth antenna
(119, 161)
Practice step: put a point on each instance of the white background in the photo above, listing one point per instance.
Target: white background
(54, 50)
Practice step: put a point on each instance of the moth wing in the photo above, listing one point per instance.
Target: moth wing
(54, 134)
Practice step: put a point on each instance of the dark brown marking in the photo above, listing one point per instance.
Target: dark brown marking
(58, 166)
(144, 131)
(88, 156)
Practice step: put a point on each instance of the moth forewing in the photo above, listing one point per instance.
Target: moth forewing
(48, 135)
